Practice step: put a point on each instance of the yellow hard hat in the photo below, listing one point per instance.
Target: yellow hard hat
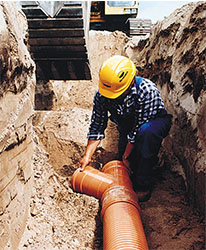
(115, 76)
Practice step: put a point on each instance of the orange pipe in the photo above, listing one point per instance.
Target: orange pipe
(122, 226)
(91, 181)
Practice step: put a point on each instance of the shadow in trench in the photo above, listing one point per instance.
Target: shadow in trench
(44, 96)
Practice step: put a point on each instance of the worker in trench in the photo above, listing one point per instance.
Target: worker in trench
(135, 105)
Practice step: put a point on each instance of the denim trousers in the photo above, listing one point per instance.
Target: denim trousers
(144, 155)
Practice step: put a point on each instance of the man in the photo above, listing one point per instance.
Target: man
(135, 105)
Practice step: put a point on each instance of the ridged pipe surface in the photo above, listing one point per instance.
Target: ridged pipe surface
(122, 226)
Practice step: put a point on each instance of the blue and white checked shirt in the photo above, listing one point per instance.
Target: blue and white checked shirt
(139, 106)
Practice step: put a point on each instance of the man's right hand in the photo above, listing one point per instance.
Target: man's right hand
(84, 162)
(91, 147)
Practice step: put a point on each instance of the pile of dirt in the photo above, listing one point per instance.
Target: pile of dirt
(102, 45)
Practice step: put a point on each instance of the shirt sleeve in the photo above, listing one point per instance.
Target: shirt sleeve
(149, 102)
(99, 118)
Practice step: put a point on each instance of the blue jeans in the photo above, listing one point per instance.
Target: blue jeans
(146, 147)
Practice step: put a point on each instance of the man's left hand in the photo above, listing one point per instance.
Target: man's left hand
(125, 161)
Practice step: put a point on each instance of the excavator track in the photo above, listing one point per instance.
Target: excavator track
(58, 34)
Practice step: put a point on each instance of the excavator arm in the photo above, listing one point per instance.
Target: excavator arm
(58, 34)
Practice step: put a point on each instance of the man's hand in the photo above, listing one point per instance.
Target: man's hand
(125, 161)
(84, 162)
(91, 147)
(127, 153)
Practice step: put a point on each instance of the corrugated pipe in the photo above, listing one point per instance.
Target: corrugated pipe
(122, 226)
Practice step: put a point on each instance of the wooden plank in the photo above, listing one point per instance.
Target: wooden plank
(57, 41)
(55, 23)
(56, 33)
(38, 12)
(72, 3)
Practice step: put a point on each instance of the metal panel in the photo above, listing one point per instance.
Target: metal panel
(57, 23)
(70, 12)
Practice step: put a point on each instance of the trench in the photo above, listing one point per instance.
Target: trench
(63, 219)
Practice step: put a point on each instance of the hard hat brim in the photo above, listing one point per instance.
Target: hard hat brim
(106, 92)
(110, 94)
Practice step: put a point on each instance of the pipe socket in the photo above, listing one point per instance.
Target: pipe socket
(91, 181)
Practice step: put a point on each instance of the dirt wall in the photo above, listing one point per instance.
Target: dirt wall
(17, 83)
(174, 58)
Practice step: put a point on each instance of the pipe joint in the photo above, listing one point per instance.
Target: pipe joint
(116, 193)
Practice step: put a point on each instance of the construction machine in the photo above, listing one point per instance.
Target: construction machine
(118, 15)
(58, 34)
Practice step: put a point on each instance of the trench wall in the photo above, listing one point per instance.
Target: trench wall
(174, 58)
(17, 84)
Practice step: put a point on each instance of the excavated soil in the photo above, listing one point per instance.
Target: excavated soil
(63, 219)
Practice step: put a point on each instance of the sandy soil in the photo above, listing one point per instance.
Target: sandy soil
(63, 219)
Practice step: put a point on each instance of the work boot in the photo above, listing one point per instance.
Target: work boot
(143, 187)
(143, 192)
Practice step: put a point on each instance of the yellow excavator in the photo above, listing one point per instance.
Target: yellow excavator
(112, 15)
(118, 15)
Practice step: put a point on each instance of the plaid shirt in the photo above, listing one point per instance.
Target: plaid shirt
(139, 106)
